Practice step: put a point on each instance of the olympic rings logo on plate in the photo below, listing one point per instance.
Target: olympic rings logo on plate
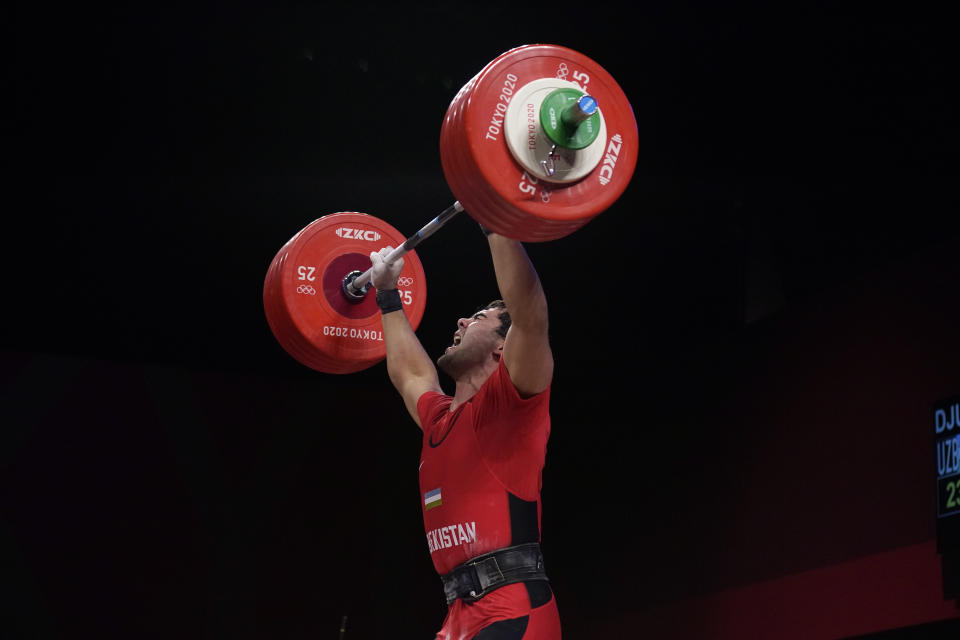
(307, 289)
(404, 281)
(563, 71)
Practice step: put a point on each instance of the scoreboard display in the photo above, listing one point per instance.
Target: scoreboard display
(946, 428)
(946, 438)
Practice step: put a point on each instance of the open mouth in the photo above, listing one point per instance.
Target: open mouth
(456, 343)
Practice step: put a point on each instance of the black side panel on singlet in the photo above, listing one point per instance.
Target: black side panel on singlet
(523, 527)
(539, 592)
(523, 521)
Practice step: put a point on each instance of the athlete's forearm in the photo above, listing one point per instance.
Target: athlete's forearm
(406, 357)
(519, 283)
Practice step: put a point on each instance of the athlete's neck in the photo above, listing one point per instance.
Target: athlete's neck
(470, 382)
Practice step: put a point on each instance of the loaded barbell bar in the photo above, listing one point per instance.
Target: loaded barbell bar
(535, 146)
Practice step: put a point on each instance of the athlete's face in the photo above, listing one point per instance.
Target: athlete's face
(474, 342)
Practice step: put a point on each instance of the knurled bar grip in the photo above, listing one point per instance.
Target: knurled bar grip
(357, 287)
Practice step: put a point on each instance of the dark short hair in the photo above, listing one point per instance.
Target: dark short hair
(504, 316)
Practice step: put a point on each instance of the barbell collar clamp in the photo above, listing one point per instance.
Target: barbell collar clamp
(354, 295)
(583, 108)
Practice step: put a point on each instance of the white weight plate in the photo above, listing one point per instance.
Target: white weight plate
(530, 146)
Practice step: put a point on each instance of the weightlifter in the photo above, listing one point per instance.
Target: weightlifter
(483, 449)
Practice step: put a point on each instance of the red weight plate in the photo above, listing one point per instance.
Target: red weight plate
(286, 333)
(282, 327)
(492, 186)
(338, 337)
(480, 200)
(465, 178)
(321, 354)
(304, 303)
(575, 203)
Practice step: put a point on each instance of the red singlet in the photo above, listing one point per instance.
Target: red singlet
(480, 476)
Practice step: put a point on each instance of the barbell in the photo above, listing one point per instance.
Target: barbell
(533, 147)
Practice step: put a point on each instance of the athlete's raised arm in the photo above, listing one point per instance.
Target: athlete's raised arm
(411, 370)
(526, 351)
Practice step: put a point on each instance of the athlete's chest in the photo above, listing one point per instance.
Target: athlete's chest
(451, 451)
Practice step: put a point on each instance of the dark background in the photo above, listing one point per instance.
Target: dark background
(169, 471)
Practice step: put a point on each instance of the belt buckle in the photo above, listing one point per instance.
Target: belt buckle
(482, 580)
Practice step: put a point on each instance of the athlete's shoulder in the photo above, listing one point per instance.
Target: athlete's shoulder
(431, 406)
(500, 385)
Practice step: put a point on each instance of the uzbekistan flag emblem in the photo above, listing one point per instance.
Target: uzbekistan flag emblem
(432, 499)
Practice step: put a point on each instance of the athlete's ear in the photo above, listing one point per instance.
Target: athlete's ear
(498, 352)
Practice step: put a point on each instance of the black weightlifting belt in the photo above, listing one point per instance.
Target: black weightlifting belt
(475, 579)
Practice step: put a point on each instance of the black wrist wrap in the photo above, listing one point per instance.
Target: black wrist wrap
(389, 300)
